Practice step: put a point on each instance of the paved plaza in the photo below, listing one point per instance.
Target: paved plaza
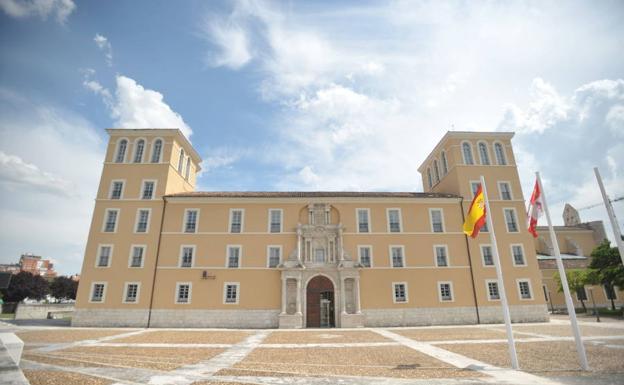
(456, 355)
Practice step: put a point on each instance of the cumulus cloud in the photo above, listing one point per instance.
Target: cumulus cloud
(105, 46)
(16, 174)
(20, 9)
(231, 41)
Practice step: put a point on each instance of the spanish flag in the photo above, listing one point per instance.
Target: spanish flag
(476, 214)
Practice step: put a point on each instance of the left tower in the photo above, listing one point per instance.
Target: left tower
(140, 167)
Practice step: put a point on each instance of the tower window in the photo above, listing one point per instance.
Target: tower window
(499, 151)
(156, 151)
(436, 172)
(444, 163)
(467, 151)
(148, 190)
(138, 152)
(188, 168)
(121, 151)
(181, 161)
(483, 154)
(116, 190)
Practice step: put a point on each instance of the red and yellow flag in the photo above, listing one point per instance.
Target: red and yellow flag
(475, 219)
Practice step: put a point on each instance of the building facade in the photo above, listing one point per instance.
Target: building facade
(33, 264)
(161, 254)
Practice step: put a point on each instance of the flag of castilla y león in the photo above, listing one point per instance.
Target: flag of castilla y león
(475, 219)
(536, 208)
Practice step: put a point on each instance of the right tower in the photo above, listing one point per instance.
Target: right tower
(454, 167)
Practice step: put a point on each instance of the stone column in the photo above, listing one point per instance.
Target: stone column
(299, 296)
(358, 308)
(343, 301)
(341, 249)
(284, 287)
(299, 243)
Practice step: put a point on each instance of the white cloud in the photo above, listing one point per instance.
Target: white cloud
(219, 158)
(232, 42)
(16, 174)
(42, 8)
(105, 46)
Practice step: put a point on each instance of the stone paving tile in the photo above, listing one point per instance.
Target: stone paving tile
(546, 358)
(186, 337)
(52, 377)
(219, 383)
(323, 336)
(447, 334)
(398, 362)
(566, 330)
(69, 335)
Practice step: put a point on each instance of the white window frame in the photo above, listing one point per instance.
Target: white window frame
(162, 150)
(281, 229)
(242, 224)
(504, 153)
(461, 148)
(196, 220)
(268, 260)
(440, 283)
(400, 219)
(227, 256)
(177, 290)
(370, 247)
(106, 218)
(402, 247)
(125, 157)
(125, 292)
(500, 190)
(394, 299)
(143, 189)
(615, 293)
(435, 255)
(487, 290)
(187, 171)
(180, 166)
(357, 220)
(135, 146)
(138, 216)
(181, 258)
(103, 291)
(487, 150)
(586, 296)
(238, 294)
(481, 246)
(110, 257)
(123, 188)
(515, 216)
(431, 209)
(513, 258)
(435, 166)
(528, 281)
(143, 256)
(444, 162)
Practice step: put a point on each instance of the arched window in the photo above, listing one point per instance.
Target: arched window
(138, 151)
(121, 151)
(188, 168)
(429, 178)
(444, 164)
(483, 154)
(436, 173)
(156, 151)
(500, 154)
(181, 161)
(467, 151)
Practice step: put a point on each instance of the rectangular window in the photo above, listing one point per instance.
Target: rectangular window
(397, 256)
(183, 293)
(363, 220)
(231, 293)
(505, 191)
(142, 224)
(400, 292)
(486, 253)
(233, 256)
(394, 220)
(274, 255)
(97, 292)
(610, 292)
(132, 293)
(190, 221)
(441, 256)
(518, 255)
(365, 255)
(510, 219)
(236, 221)
(437, 224)
(136, 258)
(493, 293)
(116, 189)
(446, 293)
(148, 190)
(104, 256)
(186, 259)
(525, 289)
(275, 221)
(110, 224)
(581, 294)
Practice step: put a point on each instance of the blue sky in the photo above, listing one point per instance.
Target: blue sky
(299, 96)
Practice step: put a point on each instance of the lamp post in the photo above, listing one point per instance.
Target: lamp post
(591, 294)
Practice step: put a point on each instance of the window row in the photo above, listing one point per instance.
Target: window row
(139, 151)
(237, 221)
(141, 224)
(395, 221)
(147, 192)
(231, 292)
(504, 190)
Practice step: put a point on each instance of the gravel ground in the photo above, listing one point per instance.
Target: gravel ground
(367, 361)
(51, 377)
(186, 337)
(566, 331)
(67, 335)
(546, 358)
(447, 334)
(219, 383)
(322, 336)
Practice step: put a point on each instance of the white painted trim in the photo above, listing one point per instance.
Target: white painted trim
(431, 209)
(500, 190)
(513, 259)
(143, 256)
(394, 299)
(281, 230)
(370, 247)
(136, 220)
(238, 294)
(240, 256)
(125, 292)
(402, 247)
(103, 292)
(98, 254)
(515, 216)
(177, 290)
(116, 220)
(357, 220)
(110, 189)
(388, 219)
(440, 299)
(487, 290)
(528, 281)
(481, 245)
(268, 257)
(184, 217)
(242, 229)
(155, 181)
(435, 255)
(181, 255)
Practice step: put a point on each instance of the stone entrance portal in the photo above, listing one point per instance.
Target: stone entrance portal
(320, 308)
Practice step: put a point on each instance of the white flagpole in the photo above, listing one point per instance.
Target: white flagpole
(564, 282)
(499, 275)
(614, 223)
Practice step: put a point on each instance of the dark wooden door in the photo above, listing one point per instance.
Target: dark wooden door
(319, 287)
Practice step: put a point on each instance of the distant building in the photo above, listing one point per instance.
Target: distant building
(33, 264)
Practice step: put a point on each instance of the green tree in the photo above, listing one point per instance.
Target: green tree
(607, 268)
(577, 279)
(63, 288)
(25, 285)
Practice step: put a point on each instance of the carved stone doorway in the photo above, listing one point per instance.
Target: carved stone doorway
(320, 309)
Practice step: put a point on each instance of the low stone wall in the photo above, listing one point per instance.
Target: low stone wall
(110, 317)
(519, 313)
(40, 311)
(249, 319)
(419, 316)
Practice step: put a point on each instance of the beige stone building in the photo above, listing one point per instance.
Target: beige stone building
(160, 253)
